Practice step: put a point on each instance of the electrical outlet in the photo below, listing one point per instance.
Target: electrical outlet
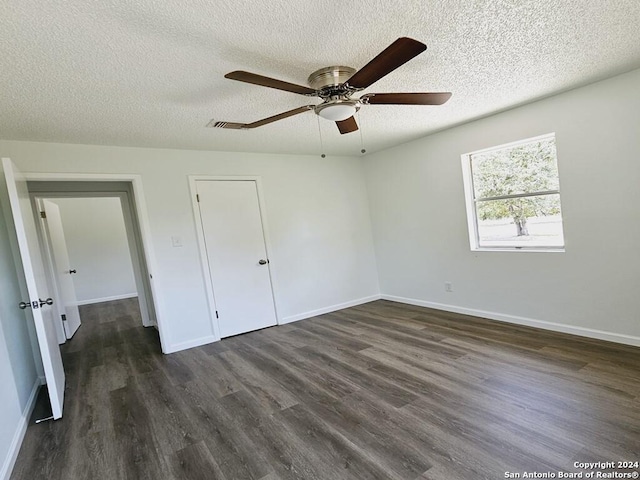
(448, 287)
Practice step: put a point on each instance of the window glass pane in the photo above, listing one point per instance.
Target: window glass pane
(521, 222)
(526, 168)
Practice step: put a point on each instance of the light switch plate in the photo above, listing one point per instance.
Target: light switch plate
(176, 241)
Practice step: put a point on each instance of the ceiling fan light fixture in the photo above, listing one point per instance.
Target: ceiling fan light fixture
(337, 111)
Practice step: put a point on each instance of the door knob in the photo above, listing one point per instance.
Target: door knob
(72, 271)
(263, 261)
(48, 301)
(40, 302)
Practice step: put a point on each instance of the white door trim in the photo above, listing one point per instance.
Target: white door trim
(204, 261)
(143, 221)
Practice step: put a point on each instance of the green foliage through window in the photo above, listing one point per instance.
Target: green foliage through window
(518, 184)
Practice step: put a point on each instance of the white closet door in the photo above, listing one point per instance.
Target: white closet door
(237, 255)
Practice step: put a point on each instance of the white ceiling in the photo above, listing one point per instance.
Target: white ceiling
(150, 73)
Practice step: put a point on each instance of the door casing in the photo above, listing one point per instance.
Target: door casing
(136, 216)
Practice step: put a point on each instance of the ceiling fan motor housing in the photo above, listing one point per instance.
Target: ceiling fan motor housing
(329, 82)
(330, 76)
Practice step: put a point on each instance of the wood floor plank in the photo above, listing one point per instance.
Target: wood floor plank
(342, 457)
(390, 453)
(195, 462)
(320, 334)
(377, 391)
(296, 376)
(285, 339)
(232, 449)
(274, 443)
(172, 426)
(42, 455)
(416, 340)
(387, 324)
(270, 395)
(96, 456)
(209, 367)
(136, 445)
(417, 380)
(393, 394)
(416, 435)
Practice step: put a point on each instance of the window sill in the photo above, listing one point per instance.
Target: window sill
(517, 249)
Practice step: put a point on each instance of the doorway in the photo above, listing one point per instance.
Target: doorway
(232, 235)
(86, 249)
(43, 186)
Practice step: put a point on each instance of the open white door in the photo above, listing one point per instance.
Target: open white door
(36, 284)
(54, 233)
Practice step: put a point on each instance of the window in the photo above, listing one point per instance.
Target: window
(513, 196)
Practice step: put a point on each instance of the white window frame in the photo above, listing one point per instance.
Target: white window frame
(470, 200)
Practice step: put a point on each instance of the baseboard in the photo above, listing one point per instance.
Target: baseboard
(107, 299)
(16, 443)
(530, 322)
(198, 342)
(332, 308)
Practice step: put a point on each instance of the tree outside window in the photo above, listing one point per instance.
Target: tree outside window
(516, 195)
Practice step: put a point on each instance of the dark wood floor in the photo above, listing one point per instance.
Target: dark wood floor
(379, 391)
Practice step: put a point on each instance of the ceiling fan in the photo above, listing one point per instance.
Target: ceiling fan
(335, 86)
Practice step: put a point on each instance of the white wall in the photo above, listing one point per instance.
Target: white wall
(98, 249)
(420, 227)
(18, 373)
(317, 212)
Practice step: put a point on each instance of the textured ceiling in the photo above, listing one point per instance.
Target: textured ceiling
(150, 73)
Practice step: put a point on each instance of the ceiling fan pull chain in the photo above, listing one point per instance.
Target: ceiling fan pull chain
(362, 149)
(320, 134)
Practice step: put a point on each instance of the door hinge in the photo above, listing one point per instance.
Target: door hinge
(64, 317)
(43, 214)
(217, 314)
(197, 198)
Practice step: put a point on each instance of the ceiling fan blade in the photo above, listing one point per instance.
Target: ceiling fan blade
(264, 121)
(280, 116)
(255, 79)
(347, 126)
(406, 98)
(395, 55)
